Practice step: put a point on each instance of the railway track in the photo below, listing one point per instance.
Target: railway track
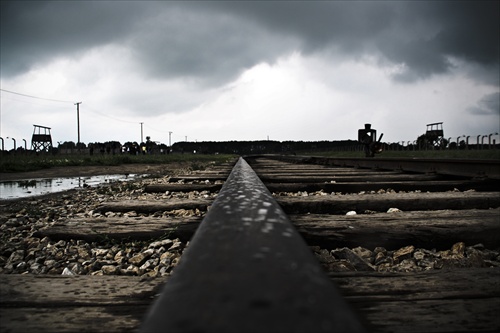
(295, 244)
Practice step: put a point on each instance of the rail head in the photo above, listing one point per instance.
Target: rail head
(248, 270)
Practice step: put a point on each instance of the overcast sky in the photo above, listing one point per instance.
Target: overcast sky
(248, 70)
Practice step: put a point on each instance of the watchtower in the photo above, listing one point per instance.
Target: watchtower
(41, 141)
(434, 134)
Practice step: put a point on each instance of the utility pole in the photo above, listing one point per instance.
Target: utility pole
(78, 120)
(141, 134)
(170, 139)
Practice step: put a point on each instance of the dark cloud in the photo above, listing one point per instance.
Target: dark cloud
(470, 30)
(464, 30)
(350, 25)
(34, 32)
(203, 48)
(488, 105)
(210, 42)
(422, 35)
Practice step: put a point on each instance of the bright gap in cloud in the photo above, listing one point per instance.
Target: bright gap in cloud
(295, 98)
(310, 98)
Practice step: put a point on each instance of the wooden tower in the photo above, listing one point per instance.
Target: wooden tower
(41, 141)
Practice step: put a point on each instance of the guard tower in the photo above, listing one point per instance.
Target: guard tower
(41, 141)
(434, 134)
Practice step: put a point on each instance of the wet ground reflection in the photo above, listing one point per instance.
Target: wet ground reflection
(33, 187)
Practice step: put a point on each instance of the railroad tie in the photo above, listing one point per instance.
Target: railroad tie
(247, 269)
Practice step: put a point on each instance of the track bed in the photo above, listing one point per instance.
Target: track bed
(430, 265)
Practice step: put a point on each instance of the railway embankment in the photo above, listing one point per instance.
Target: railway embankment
(409, 245)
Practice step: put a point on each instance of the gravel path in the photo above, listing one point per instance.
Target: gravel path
(21, 253)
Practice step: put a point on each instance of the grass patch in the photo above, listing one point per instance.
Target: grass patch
(23, 163)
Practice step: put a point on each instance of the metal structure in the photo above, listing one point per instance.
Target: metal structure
(247, 269)
(368, 137)
(41, 139)
(78, 121)
(435, 135)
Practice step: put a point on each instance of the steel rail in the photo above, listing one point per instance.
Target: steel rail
(247, 269)
(453, 167)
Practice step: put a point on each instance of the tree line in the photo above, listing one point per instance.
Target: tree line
(205, 147)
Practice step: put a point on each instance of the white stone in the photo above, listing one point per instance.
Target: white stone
(67, 271)
(161, 243)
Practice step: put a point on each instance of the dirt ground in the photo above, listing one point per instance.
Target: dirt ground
(75, 171)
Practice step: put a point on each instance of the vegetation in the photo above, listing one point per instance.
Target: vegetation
(22, 163)
(197, 154)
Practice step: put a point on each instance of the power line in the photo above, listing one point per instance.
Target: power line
(87, 108)
(30, 96)
(30, 101)
(110, 117)
(157, 130)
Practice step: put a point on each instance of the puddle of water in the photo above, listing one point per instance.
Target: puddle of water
(34, 187)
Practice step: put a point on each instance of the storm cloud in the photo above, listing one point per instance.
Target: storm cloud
(132, 60)
(217, 40)
(488, 105)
